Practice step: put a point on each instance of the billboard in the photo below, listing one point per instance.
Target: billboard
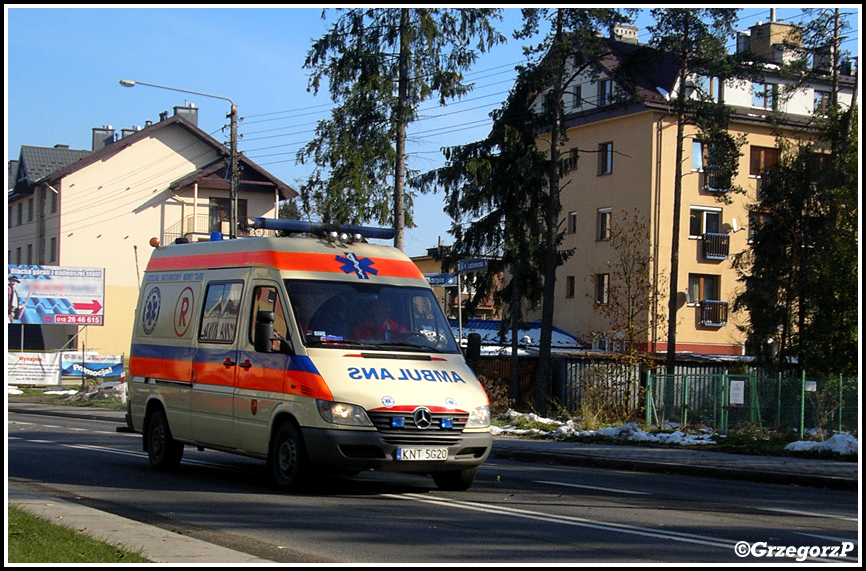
(54, 295)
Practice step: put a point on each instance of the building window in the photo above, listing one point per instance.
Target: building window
(29, 210)
(821, 104)
(29, 254)
(605, 158)
(605, 94)
(219, 215)
(703, 287)
(704, 220)
(52, 252)
(571, 158)
(603, 224)
(710, 88)
(577, 96)
(53, 202)
(18, 256)
(761, 159)
(20, 216)
(572, 222)
(764, 95)
(602, 288)
(569, 287)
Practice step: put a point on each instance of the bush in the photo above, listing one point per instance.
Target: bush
(497, 394)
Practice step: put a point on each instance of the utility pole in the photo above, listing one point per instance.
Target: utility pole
(234, 175)
(233, 188)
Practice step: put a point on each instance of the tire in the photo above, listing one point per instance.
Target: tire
(163, 451)
(290, 466)
(455, 480)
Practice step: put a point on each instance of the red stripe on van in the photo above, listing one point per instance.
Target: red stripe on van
(286, 261)
(301, 383)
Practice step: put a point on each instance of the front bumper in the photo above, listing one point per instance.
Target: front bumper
(355, 450)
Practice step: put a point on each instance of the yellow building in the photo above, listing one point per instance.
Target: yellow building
(100, 208)
(621, 162)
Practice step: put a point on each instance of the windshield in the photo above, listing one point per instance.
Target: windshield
(334, 314)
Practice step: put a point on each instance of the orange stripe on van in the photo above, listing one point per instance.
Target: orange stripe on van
(160, 368)
(286, 261)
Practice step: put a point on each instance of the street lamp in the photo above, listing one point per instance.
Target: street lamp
(233, 117)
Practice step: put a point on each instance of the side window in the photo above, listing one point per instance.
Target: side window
(222, 305)
(266, 298)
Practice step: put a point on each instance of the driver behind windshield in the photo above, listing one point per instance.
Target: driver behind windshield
(379, 325)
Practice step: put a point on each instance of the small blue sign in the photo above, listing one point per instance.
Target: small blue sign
(475, 265)
(441, 279)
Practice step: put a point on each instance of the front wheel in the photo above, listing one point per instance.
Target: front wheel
(288, 458)
(163, 451)
(455, 480)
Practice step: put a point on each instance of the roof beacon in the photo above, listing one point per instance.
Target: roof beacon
(334, 230)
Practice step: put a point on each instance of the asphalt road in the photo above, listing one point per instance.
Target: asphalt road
(516, 513)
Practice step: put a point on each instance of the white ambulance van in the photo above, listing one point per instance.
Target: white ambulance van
(316, 354)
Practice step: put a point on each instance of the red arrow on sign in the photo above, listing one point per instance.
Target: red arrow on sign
(95, 306)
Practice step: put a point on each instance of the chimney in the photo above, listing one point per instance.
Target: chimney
(61, 146)
(102, 137)
(188, 112)
(124, 133)
(625, 33)
(767, 40)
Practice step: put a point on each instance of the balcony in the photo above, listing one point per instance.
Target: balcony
(712, 180)
(199, 228)
(714, 313)
(716, 246)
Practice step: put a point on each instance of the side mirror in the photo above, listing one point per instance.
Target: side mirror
(264, 331)
(473, 347)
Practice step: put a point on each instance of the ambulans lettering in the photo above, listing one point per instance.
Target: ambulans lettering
(383, 374)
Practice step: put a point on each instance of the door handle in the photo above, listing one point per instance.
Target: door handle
(246, 364)
(228, 362)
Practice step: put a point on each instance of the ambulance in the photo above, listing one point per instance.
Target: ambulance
(315, 351)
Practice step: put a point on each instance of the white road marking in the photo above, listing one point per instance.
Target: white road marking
(615, 490)
(809, 514)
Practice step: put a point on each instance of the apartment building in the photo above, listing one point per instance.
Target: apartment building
(99, 208)
(621, 164)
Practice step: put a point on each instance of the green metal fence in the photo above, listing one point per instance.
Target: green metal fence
(726, 401)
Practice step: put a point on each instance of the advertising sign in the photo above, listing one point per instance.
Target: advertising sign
(33, 368)
(54, 295)
(91, 365)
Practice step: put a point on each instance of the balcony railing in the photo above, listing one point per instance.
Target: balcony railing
(712, 181)
(199, 226)
(716, 246)
(714, 313)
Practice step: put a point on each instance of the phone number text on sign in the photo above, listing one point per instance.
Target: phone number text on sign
(78, 319)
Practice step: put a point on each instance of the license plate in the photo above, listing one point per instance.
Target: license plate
(422, 454)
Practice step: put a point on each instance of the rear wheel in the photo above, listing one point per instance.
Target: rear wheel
(163, 451)
(288, 457)
(455, 480)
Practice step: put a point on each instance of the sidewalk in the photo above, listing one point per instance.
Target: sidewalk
(163, 546)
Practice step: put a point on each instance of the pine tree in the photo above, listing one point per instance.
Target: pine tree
(381, 64)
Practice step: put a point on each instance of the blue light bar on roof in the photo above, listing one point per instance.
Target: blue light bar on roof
(300, 226)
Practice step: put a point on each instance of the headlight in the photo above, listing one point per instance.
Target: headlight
(479, 418)
(342, 413)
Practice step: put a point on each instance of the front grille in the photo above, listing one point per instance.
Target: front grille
(437, 434)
